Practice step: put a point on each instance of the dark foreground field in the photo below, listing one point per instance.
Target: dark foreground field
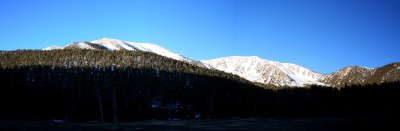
(325, 124)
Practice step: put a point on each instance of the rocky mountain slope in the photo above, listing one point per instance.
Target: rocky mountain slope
(361, 75)
(264, 71)
(256, 69)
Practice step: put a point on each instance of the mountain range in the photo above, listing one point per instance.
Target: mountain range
(256, 69)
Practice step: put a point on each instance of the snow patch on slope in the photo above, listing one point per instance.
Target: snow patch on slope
(158, 50)
(53, 48)
(114, 44)
(300, 75)
(80, 45)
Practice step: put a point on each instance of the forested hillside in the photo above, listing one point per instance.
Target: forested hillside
(112, 86)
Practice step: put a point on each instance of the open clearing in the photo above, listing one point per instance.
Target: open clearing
(326, 124)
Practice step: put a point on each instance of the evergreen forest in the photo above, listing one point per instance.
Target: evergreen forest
(117, 86)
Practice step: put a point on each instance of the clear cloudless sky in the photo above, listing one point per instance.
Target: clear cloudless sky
(322, 35)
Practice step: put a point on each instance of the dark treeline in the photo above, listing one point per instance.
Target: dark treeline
(107, 86)
(125, 95)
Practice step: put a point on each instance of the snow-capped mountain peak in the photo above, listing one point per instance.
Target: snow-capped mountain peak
(256, 69)
(115, 44)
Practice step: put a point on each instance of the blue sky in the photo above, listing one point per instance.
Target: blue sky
(322, 35)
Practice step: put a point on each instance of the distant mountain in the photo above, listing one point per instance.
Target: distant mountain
(264, 71)
(390, 72)
(361, 75)
(348, 75)
(114, 44)
(256, 69)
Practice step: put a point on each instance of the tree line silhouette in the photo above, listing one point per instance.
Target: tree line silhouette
(112, 86)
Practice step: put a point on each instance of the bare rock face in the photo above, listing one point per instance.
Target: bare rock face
(361, 75)
(348, 75)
